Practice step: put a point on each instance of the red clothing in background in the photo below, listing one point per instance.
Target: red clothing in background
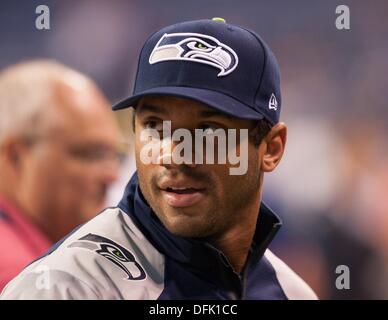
(21, 242)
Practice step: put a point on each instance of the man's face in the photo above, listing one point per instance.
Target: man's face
(195, 200)
(71, 162)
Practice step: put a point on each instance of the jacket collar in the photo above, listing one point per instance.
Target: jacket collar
(196, 255)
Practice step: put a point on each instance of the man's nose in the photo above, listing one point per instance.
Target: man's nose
(169, 155)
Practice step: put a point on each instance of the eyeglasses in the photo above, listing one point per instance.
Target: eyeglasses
(90, 153)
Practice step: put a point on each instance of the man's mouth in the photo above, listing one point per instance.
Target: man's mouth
(178, 195)
(182, 190)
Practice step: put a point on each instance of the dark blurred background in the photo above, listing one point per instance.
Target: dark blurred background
(332, 186)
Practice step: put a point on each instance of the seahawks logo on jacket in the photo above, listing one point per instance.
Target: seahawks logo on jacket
(115, 253)
(195, 47)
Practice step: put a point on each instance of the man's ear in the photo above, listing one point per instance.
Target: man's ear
(274, 145)
(13, 150)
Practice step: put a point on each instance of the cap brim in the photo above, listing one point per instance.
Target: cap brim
(213, 99)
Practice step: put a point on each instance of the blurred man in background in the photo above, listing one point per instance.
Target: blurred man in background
(58, 156)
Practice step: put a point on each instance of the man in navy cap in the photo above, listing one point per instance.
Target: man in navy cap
(188, 227)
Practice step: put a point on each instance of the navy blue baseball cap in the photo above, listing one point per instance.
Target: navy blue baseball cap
(224, 66)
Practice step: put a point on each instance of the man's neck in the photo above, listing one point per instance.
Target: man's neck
(9, 199)
(237, 241)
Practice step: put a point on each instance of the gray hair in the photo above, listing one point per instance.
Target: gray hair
(26, 93)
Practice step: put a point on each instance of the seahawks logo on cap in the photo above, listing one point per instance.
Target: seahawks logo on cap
(195, 47)
(115, 253)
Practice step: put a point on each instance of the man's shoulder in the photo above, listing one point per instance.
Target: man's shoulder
(293, 286)
(15, 252)
(19, 249)
(101, 257)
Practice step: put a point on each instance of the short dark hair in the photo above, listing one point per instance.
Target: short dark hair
(133, 115)
(263, 127)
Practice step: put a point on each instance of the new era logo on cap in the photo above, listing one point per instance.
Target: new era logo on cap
(226, 67)
(273, 104)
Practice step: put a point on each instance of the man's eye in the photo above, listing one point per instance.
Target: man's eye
(153, 124)
(209, 129)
